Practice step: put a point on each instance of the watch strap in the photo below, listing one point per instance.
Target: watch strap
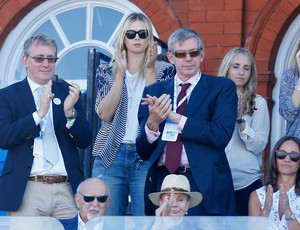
(74, 115)
(291, 218)
(241, 120)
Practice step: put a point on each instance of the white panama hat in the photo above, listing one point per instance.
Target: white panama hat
(180, 184)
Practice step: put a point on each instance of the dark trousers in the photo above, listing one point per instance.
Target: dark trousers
(242, 197)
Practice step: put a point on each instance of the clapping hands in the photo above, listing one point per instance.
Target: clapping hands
(268, 201)
(152, 55)
(284, 205)
(71, 99)
(159, 109)
(166, 206)
(120, 59)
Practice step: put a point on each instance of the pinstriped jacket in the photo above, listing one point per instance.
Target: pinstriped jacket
(110, 135)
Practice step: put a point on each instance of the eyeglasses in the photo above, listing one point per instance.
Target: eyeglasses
(130, 34)
(102, 198)
(183, 53)
(41, 59)
(281, 154)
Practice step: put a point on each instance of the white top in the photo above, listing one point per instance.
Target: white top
(244, 149)
(135, 86)
(294, 202)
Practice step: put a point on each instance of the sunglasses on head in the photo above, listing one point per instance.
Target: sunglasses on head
(281, 154)
(41, 59)
(102, 198)
(183, 53)
(130, 34)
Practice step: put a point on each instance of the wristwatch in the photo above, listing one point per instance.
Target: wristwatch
(291, 218)
(297, 88)
(241, 120)
(74, 114)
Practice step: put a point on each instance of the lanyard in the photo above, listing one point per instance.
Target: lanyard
(189, 91)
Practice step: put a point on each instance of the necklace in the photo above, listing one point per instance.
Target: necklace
(131, 81)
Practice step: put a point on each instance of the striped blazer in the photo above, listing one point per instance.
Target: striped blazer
(110, 135)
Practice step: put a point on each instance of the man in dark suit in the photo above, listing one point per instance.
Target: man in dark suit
(42, 125)
(189, 139)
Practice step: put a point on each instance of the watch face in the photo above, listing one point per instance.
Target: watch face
(292, 217)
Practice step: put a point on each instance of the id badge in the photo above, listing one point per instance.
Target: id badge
(38, 146)
(170, 132)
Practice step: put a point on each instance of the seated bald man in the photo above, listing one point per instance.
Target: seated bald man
(92, 199)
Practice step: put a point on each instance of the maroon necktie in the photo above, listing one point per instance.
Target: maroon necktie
(174, 149)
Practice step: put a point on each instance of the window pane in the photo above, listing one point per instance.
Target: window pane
(48, 29)
(105, 21)
(20, 72)
(73, 66)
(73, 22)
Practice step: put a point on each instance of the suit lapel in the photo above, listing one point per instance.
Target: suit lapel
(169, 89)
(57, 102)
(25, 95)
(198, 95)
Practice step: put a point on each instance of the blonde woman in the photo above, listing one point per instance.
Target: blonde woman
(119, 86)
(251, 132)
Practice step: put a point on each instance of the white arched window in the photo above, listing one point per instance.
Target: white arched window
(76, 25)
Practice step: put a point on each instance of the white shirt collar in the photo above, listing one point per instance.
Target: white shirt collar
(81, 224)
(191, 80)
(33, 86)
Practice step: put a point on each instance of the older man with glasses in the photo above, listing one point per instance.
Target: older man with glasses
(186, 126)
(42, 125)
(92, 199)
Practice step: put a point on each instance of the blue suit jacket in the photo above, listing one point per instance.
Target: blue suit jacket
(211, 115)
(18, 130)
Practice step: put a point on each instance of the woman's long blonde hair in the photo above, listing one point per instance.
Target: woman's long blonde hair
(120, 41)
(250, 88)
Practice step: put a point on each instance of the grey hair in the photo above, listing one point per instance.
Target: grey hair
(181, 35)
(38, 39)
